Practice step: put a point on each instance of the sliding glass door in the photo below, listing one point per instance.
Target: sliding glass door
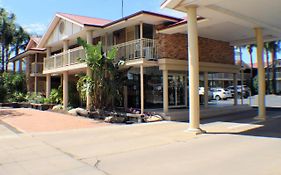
(177, 92)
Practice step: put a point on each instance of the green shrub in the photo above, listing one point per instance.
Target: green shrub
(11, 85)
(55, 96)
(36, 98)
(17, 97)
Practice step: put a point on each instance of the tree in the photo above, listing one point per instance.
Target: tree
(274, 48)
(13, 38)
(21, 38)
(105, 84)
(250, 50)
(7, 26)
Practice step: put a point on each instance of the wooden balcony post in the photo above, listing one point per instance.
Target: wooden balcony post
(65, 49)
(141, 40)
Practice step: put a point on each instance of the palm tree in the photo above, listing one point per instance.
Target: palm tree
(267, 50)
(20, 41)
(274, 48)
(250, 50)
(7, 24)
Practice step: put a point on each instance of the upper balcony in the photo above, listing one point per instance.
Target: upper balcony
(62, 61)
(137, 49)
(132, 50)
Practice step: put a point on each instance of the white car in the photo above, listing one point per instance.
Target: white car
(220, 93)
(246, 90)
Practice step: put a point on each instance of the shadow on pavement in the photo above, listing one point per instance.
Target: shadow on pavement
(9, 114)
(269, 128)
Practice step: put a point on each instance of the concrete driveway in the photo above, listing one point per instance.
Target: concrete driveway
(229, 147)
(30, 120)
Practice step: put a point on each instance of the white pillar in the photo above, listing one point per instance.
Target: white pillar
(261, 74)
(48, 85)
(235, 88)
(206, 87)
(193, 65)
(142, 89)
(165, 91)
(65, 90)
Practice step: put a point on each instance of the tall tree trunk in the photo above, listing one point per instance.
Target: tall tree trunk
(273, 56)
(267, 72)
(3, 58)
(7, 59)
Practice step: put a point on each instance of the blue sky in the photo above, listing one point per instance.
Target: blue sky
(35, 15)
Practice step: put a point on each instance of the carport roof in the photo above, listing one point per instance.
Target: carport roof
(232, 21)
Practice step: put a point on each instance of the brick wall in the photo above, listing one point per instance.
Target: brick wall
(175, 47)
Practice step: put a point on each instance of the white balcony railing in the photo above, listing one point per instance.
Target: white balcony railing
(64, 59)
(36, 68)
(227, 76)
(135, 49)
(141, 48)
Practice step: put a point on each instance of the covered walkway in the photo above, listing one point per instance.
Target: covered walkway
(232, 21)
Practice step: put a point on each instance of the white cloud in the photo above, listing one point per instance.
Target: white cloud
(35, 28)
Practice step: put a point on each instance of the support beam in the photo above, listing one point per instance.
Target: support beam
(48, 85)
(235, 88)
(206, 88)
(261, 74)
(48, 76)
(27, 72)
(141, 42)
(35, 84)
(165, 91)
(242, 85)
(65, 90)
(14, 66)
(36, 78)
(193, 65)
(20, 65)
(65, 49)
(142, 88)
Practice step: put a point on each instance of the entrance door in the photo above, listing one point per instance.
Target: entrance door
(176, 90)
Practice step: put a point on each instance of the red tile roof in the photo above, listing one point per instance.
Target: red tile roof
(85, 20)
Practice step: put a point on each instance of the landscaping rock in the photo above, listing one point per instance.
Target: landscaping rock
(72, 112)
(118, 119)
(57, 107)
(79, 112)
(108, 119)
(153, 118)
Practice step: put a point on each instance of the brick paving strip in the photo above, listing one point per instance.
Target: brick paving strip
(30, 120)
